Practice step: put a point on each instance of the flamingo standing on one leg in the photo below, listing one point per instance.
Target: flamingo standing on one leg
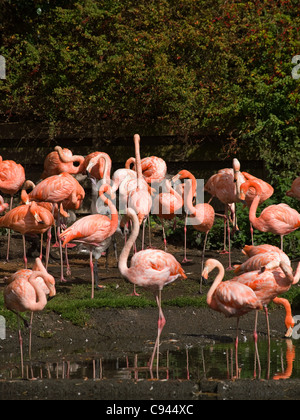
(93, 230)
(29, 218)
(151, 269)
(278, 219)
(231, 298)
(27, 292)
(12, 177)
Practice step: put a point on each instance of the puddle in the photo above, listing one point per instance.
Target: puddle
(192, 364)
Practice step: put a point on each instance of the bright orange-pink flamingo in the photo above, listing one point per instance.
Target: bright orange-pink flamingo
(3, 206)
(27, 292)
(12, 177)
(64, 190)
(225, 185)
(278, 219)
(295, 189)
(151, 269)
(62, 160)
(267, 257)
(29, 218)
(231, 298)
(267, 192)
(166, 205)
(154, 169)
(98, 164)
(201, 216)
(93, 230)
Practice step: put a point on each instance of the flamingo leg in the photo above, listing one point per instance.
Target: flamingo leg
(269, 341)
(92, 273)
(202, 261)
(229, 245)
(30, 334)
(185, 260)
(236, 348)
(257, 358)
(9, 231)
(62, 279)
(21, 348)
(160, 326)
(24, 249)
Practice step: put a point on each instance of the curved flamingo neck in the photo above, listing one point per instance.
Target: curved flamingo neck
(123, 260)
(129, 162)
(218, 280)
(112, 207)
(253, 208)
(41, 301)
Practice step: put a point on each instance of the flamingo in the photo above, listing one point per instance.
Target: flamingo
(278, 219)
(270, 258)
(12, 177)
(27, 292)
(231, 298)
(151, 269)
(154, 169)
(3, 206)
(94, 164)
(62, 160)
(267, 192)
(166, 205)
(295, 189)
(201, 216)
(225, 185)
(93, 230)
(29, 218)
(64, 190)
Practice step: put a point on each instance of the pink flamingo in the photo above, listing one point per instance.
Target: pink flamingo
(98, 165)
(267, 257)
(27, 292)
(64, 190)
(225, 185)
(12, 177)
(93, 230)
(201, 216)
(29, 218)
(151, 269)
(278, 219)
(166, 205)
(154, 169)
(295, 189)
(267, 192)
(231, 298)
(3, 206)
(62, 160)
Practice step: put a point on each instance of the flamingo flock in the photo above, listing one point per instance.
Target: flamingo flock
(142, 189)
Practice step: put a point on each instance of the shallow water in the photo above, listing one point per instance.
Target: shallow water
(216, 361)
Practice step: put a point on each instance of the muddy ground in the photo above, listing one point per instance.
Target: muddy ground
(114, 333)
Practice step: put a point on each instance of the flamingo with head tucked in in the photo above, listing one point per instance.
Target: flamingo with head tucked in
(151, 269)
(27, 292)
(62, 160)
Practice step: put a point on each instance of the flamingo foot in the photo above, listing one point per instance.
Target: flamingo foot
(229, 268)
(134, 294)
(185, 261)
(224, 252)
(63, 280)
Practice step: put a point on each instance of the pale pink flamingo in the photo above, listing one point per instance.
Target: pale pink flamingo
(278, 219)
(267, 192)
(27, 292)
(201, 216)
(231, 298)
(151, 269)
(93, 230)
(29, 218)
(62, 160)
(64, 190)
(295, 189)
(12, 177)
(225, 186)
